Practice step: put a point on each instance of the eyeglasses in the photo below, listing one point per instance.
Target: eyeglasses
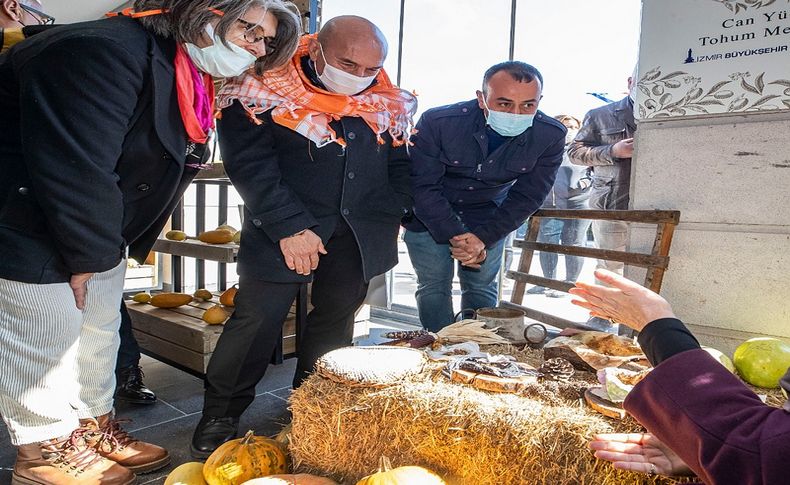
(253, 33)
(41, 17)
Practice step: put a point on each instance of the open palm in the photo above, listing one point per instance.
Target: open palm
(638, 452)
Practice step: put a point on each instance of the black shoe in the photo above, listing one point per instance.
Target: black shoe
(210, 433)
(131, 388)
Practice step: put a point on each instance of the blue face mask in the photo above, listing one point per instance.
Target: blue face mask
(508, 124)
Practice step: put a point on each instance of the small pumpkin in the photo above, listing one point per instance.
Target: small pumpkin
(176, 235)
(297, 479)
(243, 459)
(170, 300)
(142, 297)
(215, 315)
(228, 296)
(190, 473)
(403, 475)
(220, 236)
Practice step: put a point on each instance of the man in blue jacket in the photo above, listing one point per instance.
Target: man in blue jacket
(480, 168)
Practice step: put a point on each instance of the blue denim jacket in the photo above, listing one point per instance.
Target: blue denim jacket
(459, 186)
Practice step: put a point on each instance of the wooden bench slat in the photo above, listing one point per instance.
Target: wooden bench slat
(634, 259)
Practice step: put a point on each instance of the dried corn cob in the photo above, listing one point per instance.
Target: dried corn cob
(423, 340)
(405, 334)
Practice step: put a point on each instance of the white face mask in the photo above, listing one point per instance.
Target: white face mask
(218, 59)
(339, 81)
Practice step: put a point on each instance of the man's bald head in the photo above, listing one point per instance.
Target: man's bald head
(351, 29)
(352, 44)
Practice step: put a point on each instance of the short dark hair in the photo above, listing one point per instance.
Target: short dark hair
(186, 20)
(520, 71)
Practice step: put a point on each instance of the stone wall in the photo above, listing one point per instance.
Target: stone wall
(729, 275)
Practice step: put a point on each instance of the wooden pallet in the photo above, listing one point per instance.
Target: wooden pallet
(656, 262)
(179, 336)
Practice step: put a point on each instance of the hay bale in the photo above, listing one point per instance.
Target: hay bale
(467, 435)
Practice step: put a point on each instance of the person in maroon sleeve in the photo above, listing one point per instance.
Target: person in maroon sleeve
(700, 417)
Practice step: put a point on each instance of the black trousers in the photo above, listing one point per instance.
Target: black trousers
(129, 350)
(247, 343)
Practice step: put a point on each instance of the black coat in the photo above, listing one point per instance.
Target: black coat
(288, 184)
(459, 186)
(92, 149)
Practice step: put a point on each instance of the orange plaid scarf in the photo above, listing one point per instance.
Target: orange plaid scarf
(308, 110)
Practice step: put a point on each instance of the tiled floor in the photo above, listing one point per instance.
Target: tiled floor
(171, 420)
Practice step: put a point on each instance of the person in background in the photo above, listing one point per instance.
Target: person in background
(605, 142)
(700, 418)
(318, 152)
(480, 168)
(571, 190)
(104, 125)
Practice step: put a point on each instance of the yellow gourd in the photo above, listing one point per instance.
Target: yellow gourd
(243, 459)
(228, 296)
(176, 235)
(227, 227)
(220, 236)
(403, 475)
(170, 300)
(190, 473)
(215, 315)
(297, 479)
(142, 298)
(203, 294)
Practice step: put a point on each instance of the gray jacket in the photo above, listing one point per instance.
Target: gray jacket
(601, 129)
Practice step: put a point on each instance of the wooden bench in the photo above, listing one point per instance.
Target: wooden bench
(179, 336)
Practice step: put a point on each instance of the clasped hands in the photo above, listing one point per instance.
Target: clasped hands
(301, 251)
(468, 249)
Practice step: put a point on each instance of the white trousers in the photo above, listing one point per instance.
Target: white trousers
(57, 363)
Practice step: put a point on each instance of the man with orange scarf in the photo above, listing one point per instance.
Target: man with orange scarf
(317, 150)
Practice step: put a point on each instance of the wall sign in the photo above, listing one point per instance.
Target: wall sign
(706, 57)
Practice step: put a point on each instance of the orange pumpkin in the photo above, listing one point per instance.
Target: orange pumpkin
(227, 296)
(243, 459)
(403, 475)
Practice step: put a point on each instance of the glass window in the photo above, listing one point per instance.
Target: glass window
(447, 46)
(580, 46)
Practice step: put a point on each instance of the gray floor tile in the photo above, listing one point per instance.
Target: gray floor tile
(187, 397)
(277, 377)
(284, 393)
(143, 416)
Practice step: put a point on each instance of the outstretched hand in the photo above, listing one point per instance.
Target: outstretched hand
(622, 301)
(638, 452)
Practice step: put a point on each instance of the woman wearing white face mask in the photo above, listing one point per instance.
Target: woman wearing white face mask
(105, 124)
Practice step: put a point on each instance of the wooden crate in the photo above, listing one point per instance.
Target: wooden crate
(179, 335)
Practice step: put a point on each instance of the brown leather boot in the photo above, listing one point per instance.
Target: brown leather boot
(114, 443)
(67, 461)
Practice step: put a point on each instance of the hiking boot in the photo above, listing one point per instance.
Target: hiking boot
(114, 443)
(69, 460)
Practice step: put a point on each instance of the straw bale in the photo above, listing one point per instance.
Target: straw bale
(464, 434)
